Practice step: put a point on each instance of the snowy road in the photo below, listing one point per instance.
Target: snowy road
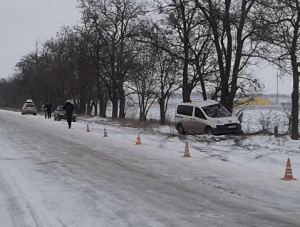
(54, 177)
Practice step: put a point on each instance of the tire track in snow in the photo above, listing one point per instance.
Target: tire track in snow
(21, 204)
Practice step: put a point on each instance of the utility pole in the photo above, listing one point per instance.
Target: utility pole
(277, 88)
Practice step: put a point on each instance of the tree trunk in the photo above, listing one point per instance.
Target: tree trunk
(142, 107)
(225, 97)
(161, 102)
(185, 83)
(122, 102)
(295, 93)
(103, 105)
(295, 106)
(94, 103)
(115, 108)
(115, 100)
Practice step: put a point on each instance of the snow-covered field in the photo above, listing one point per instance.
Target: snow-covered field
(257, 152)
(255, 118)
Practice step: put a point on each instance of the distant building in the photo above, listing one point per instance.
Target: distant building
(253, 101)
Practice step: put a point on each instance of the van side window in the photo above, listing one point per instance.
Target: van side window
(199, 113)
(185, 110)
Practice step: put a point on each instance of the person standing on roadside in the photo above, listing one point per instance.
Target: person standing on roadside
(48, 109)
(69, 108)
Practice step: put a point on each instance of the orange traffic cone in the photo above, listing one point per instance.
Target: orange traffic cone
(288, 172)
(87, 128)
(186, 151)
(105, 133)
(138, 140)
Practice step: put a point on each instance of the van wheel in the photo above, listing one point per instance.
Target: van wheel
(208, 130)
(180, 130)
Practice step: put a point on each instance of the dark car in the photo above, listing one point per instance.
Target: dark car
(60, 113)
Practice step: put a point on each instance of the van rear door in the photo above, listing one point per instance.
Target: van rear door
(184, 115)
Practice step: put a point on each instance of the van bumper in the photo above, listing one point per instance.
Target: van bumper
(227, 129)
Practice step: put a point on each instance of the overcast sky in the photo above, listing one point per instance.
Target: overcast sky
(23, 22)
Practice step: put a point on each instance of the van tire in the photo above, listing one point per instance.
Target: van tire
(208, 130)
(180, 129)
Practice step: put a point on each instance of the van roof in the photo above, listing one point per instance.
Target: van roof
(207, 102)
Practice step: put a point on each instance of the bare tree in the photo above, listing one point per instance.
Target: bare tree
(167, 69)
(231, 24)
(280, 26)
(29, 70)
(144, 81)
(12, 92)
(89, 32)
(184, 33)
(61, 69)
(81, 55)
(115, 22)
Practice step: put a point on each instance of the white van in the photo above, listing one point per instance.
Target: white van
(208, 117)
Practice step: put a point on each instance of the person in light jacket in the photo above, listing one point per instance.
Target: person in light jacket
(69, 108)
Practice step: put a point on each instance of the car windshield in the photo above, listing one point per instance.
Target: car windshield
(216, 110)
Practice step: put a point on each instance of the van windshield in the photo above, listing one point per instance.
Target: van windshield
(216, 110)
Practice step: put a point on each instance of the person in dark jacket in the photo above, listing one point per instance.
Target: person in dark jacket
(69, 108)
(48, 109)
